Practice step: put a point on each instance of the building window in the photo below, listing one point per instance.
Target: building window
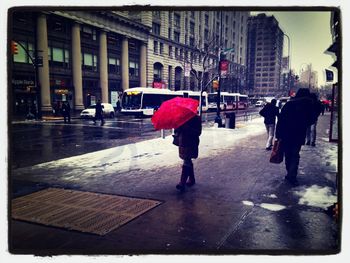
(169, 33)
(191, 41)
(114, 65)
(88, 32)
(170, 51)
(192, 28)
(206, 20)
(156, 29)
(156, 14)
(177, 20)
(157, 74)
(22, 56)
(206, 34)
(169, 16)
(155, 47)
(133, 69)
(176, 36)
(161, 48)
(89, 61)
(58, 56)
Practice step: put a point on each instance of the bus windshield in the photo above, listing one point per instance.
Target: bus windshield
(212, 98)
(131, 100)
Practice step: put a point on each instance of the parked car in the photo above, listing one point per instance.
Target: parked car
(89, 112)
(259, 103)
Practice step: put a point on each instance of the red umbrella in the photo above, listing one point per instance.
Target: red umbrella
(174, 112)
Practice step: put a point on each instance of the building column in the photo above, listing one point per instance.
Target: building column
(103, 66)
(43, 72)
(125, 63)
(143, 65)
(76, 67)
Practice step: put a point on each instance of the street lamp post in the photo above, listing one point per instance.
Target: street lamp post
(218, 119)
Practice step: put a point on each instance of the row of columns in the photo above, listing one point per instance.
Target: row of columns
(44, 76)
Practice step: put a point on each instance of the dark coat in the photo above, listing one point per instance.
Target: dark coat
(294, 119)
(269, 112)
(188, 135)
(318, 108)
(65, 109)
(99, 109)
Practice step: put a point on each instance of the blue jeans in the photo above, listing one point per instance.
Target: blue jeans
(311, 134)
(270, 129)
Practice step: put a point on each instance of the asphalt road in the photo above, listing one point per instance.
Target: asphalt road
(34, 142)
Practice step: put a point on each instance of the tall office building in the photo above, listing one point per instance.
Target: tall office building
(309, 77)
(265, 50)
(175, 37)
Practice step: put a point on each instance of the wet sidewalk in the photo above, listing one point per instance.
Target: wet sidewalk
(240, 203)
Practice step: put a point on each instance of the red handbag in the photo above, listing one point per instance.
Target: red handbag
(277, 152)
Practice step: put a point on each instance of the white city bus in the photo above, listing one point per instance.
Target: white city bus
(228, 101)
(145, 101)
(195, 95)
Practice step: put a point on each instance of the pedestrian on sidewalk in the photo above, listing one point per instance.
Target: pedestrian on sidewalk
(295, 117)
(311, 130)
(270, 112)
(66, 112)
(99, 113)
(187, 137)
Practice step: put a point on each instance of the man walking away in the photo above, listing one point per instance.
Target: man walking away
(270, 112)
(311, 130)
(99, 113)
(295, 117)
(66, 111)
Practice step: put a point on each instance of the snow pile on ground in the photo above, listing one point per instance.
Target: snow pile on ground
(153, 153)
(316, 196)
(267, 206)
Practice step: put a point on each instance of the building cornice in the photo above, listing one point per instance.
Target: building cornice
(108, 21)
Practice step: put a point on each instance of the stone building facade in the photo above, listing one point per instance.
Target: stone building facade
(81, 56)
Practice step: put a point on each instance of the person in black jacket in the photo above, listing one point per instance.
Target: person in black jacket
(295, 117)
(66, 111)
(270, 112)
(99, 113)
(311, 130)
(188, 142)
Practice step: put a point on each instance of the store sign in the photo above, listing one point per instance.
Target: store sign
(61, 91)
(22, 82)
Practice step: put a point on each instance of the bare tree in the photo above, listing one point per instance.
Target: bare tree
(203, 63)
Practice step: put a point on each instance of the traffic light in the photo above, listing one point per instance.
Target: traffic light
(215, 84)
(14, 47)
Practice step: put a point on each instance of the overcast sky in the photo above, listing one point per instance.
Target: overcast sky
(310, 36)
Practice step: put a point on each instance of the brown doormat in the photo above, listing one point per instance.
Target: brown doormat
(82, 211)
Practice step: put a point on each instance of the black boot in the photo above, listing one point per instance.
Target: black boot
(191, 180)
(181, 185)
